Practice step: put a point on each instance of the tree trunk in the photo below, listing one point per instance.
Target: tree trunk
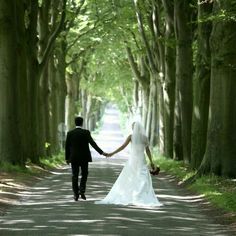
(37, 63)
(149, 112)
(44, 86)
(145, 99)
(62, 80)
(136, 98)
(160, 118)
(9, 135)
(54, 117)
(178, 145)
(201, 87)
(155, 107)
(22, 101)
(221, 137)
(184, 71)
(33, 83)
(142, 76)
(169, 79)
(71, 100)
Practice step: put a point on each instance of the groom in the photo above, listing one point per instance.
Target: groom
(78, 154)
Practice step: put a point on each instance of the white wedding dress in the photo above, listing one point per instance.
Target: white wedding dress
(134, 184)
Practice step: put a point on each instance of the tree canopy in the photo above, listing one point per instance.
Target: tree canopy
(173, 62)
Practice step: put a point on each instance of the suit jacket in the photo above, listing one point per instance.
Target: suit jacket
(77, 146)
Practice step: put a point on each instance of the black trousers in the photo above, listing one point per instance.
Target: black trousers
(76, 167)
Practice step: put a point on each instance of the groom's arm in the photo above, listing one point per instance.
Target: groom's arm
(67, 148)
(94, 145)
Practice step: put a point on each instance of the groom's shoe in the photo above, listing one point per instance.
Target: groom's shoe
(83, 196)
(76, 197)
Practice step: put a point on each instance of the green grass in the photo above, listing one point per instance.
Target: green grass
(10, 168)
(221, 192)
(53, 162)
(29, 168)
(176, 168)
(218, 190)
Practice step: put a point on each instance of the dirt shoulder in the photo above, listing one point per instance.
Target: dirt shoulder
(219, 215)
(13, 184)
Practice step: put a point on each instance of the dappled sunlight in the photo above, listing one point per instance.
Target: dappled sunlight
(10, 184)
(166, 101)
(181, 198)
(75, 221)
(56, 212)
(196, 112)
(48, 207)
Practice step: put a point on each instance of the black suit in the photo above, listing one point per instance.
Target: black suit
(78, 154)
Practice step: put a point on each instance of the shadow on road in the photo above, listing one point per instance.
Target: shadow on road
(48, 208)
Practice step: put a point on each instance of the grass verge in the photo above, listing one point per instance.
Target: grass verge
(30, 168)
(219, 191)
(53, 162)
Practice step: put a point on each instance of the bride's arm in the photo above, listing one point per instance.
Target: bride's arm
(149, 156)
(123, 146)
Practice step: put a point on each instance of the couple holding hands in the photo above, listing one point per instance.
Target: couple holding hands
(134, 184)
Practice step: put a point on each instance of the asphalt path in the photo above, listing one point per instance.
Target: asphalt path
(48, 208)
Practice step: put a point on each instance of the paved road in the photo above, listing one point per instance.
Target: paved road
(48, 208)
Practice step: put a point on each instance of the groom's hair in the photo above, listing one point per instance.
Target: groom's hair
(79, 121)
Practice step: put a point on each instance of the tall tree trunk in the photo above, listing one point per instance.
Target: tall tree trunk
(9, 122)
(184, 71)
(149, 111)
(22, 95)
(201, 86)
(221, 137)
(71, 101)
(160, 117)
(136, 98)
(145, 99)
(33, 81)
(44, 86)
(54, 117)
(142, 76)
(156, 110)
(169, 79)
(178, 142)
(62, 80)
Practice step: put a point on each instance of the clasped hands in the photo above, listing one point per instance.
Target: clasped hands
(107, 154)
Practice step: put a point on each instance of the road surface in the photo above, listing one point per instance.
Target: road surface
(48, 207)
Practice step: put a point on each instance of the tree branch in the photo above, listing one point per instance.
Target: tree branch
(134, 68)
(134, 38)
(79, 36)
(71, 22)
(78, 55)
(143, 36)
(52, 38)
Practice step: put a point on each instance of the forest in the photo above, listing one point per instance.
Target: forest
(174, 61)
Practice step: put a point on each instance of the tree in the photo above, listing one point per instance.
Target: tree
(9, 135)
(155, 57)
(169, 78)
(36, 64)
(201, 85)
(184, 70)
(220, 152)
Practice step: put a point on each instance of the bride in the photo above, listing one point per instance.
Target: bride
(134, 184)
